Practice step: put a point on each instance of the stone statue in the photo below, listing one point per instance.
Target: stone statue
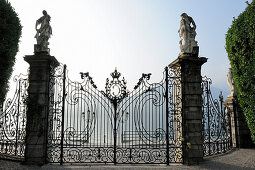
(231, 83)
(187, 34)
(43, 33)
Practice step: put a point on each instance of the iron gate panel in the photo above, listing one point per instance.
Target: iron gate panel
(13, 120)
(216, 122)
(91, 126)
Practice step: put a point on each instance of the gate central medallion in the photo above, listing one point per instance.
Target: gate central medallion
(116, 89)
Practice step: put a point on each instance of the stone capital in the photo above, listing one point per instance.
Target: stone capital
(187, 58)
(41, 57)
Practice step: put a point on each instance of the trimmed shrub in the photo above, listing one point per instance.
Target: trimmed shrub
(240, 46)
(10, 33)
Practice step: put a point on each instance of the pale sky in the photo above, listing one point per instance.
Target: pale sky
(136, 36)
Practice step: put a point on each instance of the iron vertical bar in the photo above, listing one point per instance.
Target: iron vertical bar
(230, 126)
(237, 136)
(88, 117)
(115, 131)
(208, 115)
(167, 121)
(222, 118)
(62, 123)
(182, 109)
(17, 126)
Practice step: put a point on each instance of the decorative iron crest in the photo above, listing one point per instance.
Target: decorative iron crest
(86, 75)
(116, 90)
(144, 77)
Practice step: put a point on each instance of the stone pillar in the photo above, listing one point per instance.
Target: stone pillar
(241, 136)
(38, 107)
(191, 79)
(229, 103)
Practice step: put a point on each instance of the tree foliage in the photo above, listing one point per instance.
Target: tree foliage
(240, 46)
(10, 33)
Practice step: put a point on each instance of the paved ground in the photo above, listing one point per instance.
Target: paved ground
(237, 159)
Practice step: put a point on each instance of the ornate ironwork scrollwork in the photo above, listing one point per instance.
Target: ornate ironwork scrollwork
(216, 122)
(13, 120)
(112, 126)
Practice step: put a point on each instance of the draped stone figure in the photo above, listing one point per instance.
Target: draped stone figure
(231, 83)
(43, 33)
(187, 33)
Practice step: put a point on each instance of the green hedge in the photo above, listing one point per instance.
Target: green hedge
(240, 46)
(10, 32)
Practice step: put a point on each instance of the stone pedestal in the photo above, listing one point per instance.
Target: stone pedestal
(38, 107)
(191, 79)
(241, 137)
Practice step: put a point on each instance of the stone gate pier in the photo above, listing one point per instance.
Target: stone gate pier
(191, 79)
(38, 107)
(241, 135)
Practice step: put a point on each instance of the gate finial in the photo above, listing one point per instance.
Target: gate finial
(115, 74)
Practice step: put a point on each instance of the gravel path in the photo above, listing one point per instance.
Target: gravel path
(235, 160)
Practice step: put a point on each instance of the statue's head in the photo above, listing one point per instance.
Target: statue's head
(184, 15)
(44, 12)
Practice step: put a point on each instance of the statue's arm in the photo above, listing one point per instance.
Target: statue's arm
(186, 25)
(180, 26)
(180, 31)
(36, 24)
(193, 23)
(50, 30)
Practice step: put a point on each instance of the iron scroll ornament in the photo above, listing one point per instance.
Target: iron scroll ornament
(115, 90)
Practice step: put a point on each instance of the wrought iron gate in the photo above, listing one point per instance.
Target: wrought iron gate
(216, 122)
(13, 121)
(114, 126)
